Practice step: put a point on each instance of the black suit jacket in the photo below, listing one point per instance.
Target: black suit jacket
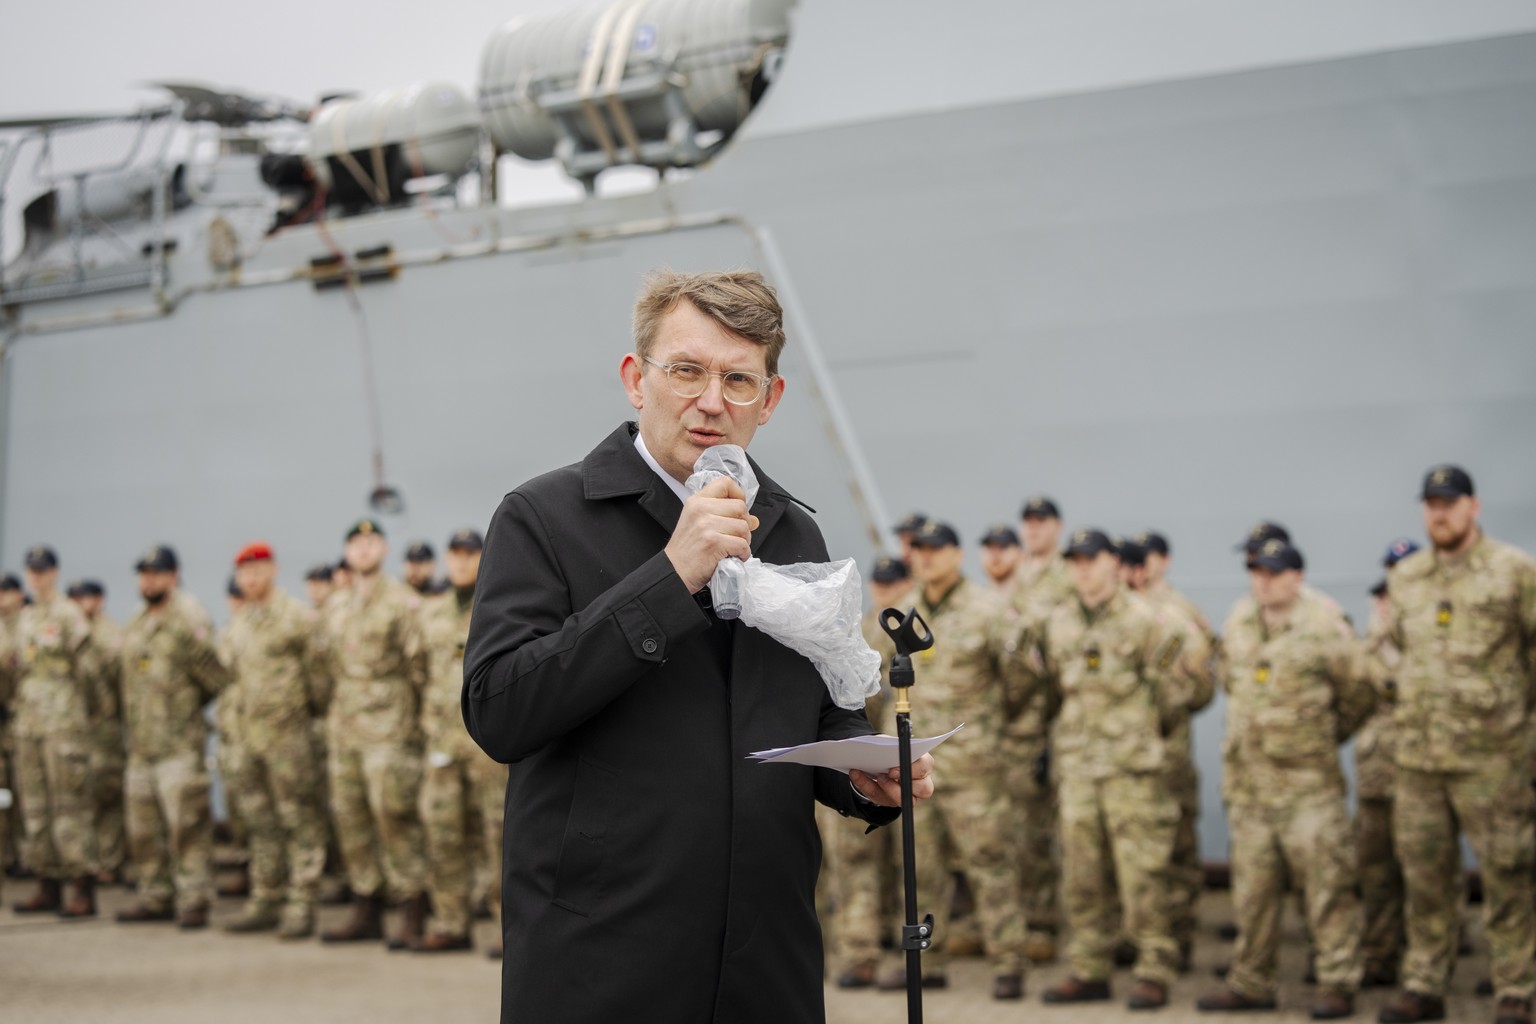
(650, 871)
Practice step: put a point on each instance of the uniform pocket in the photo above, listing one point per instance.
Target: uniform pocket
(1285, 735)
(581, 874)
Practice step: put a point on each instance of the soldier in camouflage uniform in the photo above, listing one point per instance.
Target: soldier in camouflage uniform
(170, 672)
(1463, 614)
(1001, 555)
(1039, 584)
(111, 760)
(463, 792)
(856, 867)
(1297, 688)
(11, 598)
(1381, 875)
(231, 749)
(1136, 555)
(379, 664)
(961, 679)
(280, 686)
(57, 707)
(1123, 682)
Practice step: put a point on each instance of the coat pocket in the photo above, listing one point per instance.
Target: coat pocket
(582, 871)
(1287, 734)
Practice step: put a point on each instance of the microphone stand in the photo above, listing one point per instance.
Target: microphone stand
(910, 634)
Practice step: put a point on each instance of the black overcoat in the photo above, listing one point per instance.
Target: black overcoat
(651, 872)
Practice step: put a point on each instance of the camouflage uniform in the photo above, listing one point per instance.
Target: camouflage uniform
(1184, 778)
(1467, 631)
(1038, 587)
(57, 704)
(973, 820)
(280, 687)
(110, 761)
(8, 672)
(1123, 682)
(1381, 876)
(463, 794)
(170, 671)
(1295, 692)
(379, 666)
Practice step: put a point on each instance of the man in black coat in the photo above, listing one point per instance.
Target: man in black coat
(651, 872)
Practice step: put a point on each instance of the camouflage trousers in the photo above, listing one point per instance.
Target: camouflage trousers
(1311, 843)
(1493, 806)
(1381, 886)
(228, 763)
(1119, 830)
(1037, 855)
(463, 809)
(58, 794)
(374, 789)
(278, 792)
(855, 876)
(1188, 872)
(170, 830)
(972, 826)
(110, 768)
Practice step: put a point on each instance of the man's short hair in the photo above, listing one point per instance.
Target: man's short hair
(738, 300)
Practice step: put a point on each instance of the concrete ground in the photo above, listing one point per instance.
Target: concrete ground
(88, 972)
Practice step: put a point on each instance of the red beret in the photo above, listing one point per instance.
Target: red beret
(260, 551)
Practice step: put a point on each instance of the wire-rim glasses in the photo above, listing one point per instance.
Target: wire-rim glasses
(688, 380)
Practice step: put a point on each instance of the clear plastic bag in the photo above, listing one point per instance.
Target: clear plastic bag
(813, 608)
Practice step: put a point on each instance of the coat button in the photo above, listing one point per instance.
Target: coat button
(648, 646)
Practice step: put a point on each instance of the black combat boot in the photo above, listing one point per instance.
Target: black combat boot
(47, 900)
(84, 902)
(366, 924)
(412, 925)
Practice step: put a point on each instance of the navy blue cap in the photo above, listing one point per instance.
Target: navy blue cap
(319, 573)
(1277, 556)
(86, 588)
(1131, 551)
(1154, 542)
(10, 582)
(889, 570)
(1380, 588)
(418, 551)
(1397, 551)
(935, 534)
(1088, 541)
(911, 523)
(1447, 481)
(365, 526)
(1039, 507)
(1260, 534)
(41, 559)
(1001, 534)
(160, 558)
(467, 539)
(232, 588)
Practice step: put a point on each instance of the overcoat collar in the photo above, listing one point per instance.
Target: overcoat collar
(614, 469)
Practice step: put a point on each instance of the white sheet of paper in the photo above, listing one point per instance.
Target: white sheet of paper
(872, 754)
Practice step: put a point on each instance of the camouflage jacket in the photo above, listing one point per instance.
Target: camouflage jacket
(10, 665)
(1376, 742)
(280, 675)
(58, 672)
(445, 629)
(1294, 693)
(170, 670)
(1123, 682)
(1175, 611)
(107, 643)
(960, 679)
(878, 709)
(378, 661)
(1467, 631)
(1037, 589)
(1169, 597)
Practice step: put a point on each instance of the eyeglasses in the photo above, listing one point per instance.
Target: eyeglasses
(688, 380)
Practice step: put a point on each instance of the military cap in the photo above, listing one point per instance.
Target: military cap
(911, 523)
(1264, 531)
(935, 534)
(86, 588)
(319, 573)
(1040, 507)
(341, 565)
(232, 588)
(1397, 551)
(1001, 534)
(365, 525)
(889, 570)
(1154, 542)
(41, 558)
(466, 539)
(160, 558)
(1380, 588)
(258, 551)
(10, 582)
(1277, 555)
(1088, 542)
(1131, 551)
(419, 551)
(1447, 481)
